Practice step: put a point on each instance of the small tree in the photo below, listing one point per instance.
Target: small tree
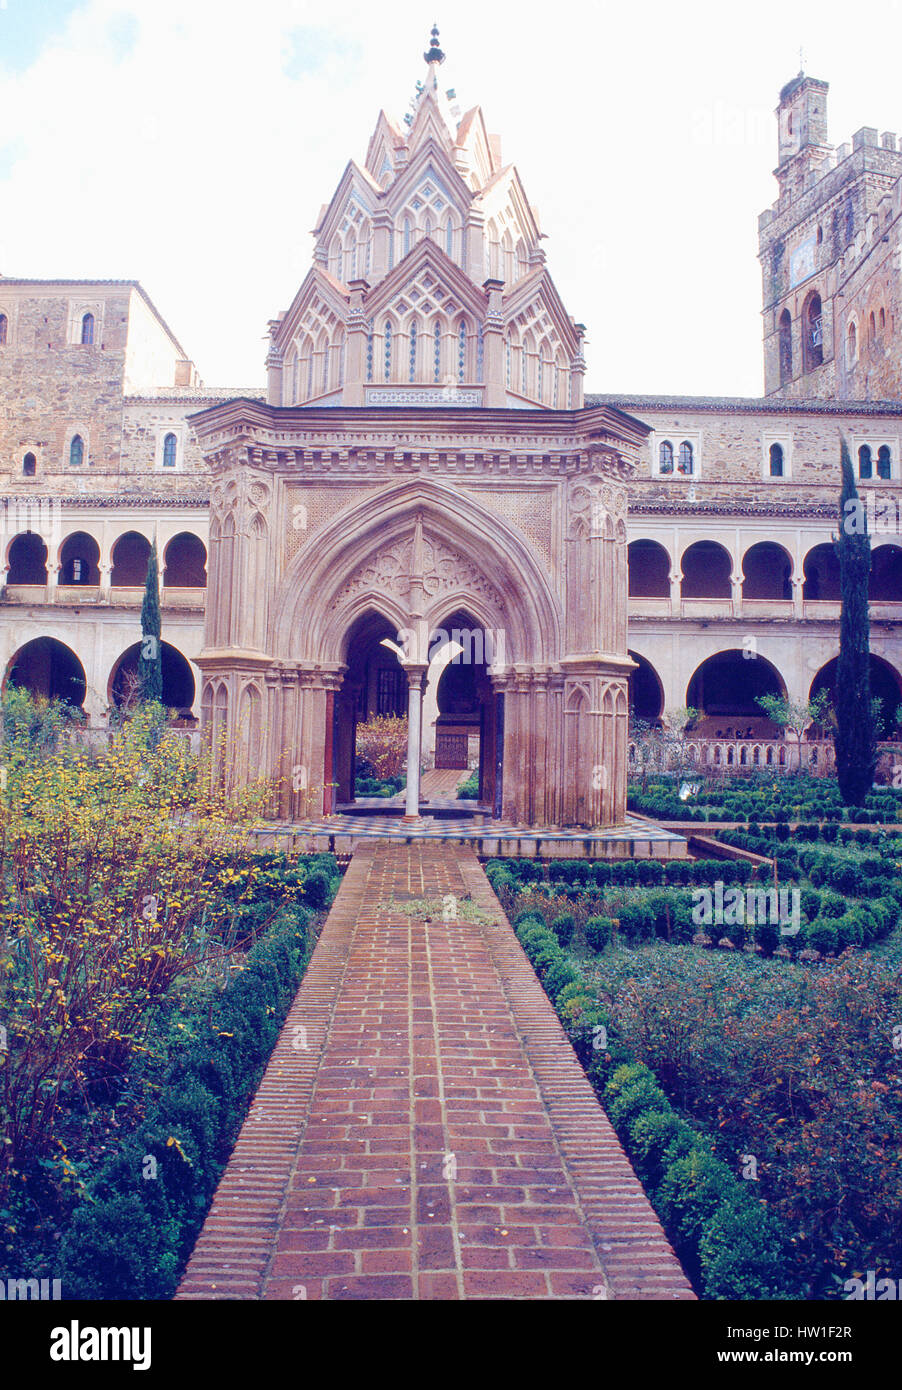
(795, 715)
(854, 736)
(382, 741)
(150, 661)
(676, 728)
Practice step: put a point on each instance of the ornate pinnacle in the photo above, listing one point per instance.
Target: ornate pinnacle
(434, 54)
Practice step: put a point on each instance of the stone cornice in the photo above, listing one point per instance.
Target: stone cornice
(387, 441)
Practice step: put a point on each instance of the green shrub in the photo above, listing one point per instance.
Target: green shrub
(598, 932)
(822, 936)
(741, 1252)
(559, 975)
(637, 921)
(650, 1134)
(690, 1192)
(530, 914)
(563, 927)
(643, 1094)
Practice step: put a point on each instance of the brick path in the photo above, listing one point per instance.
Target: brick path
(423, 1129)
(441, 783)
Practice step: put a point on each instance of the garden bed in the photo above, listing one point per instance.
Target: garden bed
(758, 1096)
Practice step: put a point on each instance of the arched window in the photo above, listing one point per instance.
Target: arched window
(884, 462)
(449, 238)
(851, 344)
(170, 445)
(388, 349)
(776, 460)
(406, 235)
(461, 349)
(87, 330)
(685, 461)
(4, 330)
(865, 464)
(882, 319)
(814, 334)
(29, 465)
(427, 227)
(665, 456)
(785, 347)
(76, 451)
(872, 329)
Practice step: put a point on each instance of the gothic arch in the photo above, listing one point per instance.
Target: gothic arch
(505, 588)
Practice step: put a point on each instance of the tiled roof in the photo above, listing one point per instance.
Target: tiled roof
(112, 499)
(198, 393)
(747, 405)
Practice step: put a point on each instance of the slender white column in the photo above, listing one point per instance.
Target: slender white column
(415, 675)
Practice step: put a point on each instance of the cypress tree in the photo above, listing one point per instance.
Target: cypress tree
(150, 661)
(854, 735)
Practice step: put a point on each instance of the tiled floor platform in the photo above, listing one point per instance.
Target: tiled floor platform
(423, 1129)
(343, 834)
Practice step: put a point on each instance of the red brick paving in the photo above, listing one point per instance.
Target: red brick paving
(423, 1129)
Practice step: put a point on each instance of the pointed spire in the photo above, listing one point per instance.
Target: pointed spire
(434, 53)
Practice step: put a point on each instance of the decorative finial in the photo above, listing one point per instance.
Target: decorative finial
(434, 54)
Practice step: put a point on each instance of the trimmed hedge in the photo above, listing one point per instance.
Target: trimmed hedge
(132, 1235)
(730, 1246)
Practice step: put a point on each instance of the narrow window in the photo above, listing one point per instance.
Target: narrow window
(785, 347)
(413, 351)
(685, 463)
(76, 451)
(814, 334)
(4, 330)
(884, 462)
(851, 344)
(872, 329)
(449, 238)
(406, 235)
(865, 468)
(437, 341)
(29, 466)
(461, 349)
(508, 356)
(665, 456)
(776, 460)
(369, 352)
(170, 444)
(87, 330)
(882, 319)
(388, 349)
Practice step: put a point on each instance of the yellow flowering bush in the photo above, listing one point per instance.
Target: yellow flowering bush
(116, 874)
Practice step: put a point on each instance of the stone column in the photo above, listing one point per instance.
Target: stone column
(355, 354)
(493, 364)
(415, 673)
(736, 594)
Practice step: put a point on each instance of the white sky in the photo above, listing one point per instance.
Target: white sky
(190, 144)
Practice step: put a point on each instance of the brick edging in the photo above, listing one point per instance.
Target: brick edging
(635, 1254)
(236, 1242)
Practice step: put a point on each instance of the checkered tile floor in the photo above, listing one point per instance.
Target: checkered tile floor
(389, 827)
